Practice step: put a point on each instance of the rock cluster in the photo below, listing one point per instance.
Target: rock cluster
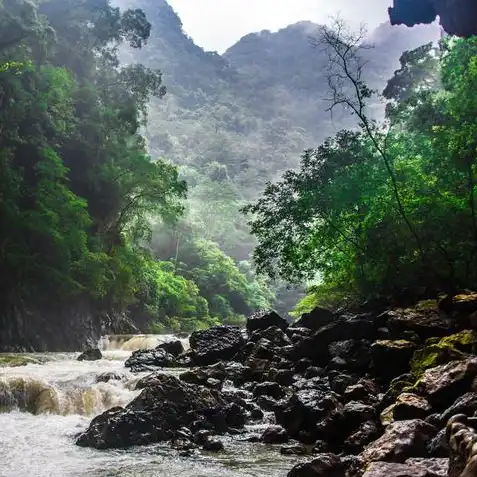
(361, 394)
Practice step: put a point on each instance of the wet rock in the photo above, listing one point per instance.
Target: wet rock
(274, 334)
(425, 323)
(364, 435)
(254, 411)
(315, 319)
(267, 403)
(346, 327)
(284, 377)
(324, 465)
(355, 413)
(351, 355)
(438, 466)
(273, 390)
(109, 376)
(175, 348)
(401, 440)
(213, 445)
(150, 360)
(365, 390)
(164, 406)
(295, 449)
(182, 444)
(391, 358)
(438, 447)
(444, 384)
(202, 375)
(90, 354)
(274, 435)
(410, 406)
(219, 343)
(264, 319)
(340, 382)
(320, 447)
(310, 411)
(390, 469)
(466, 404)
(200, 437)
(235, 415)
(314, 372)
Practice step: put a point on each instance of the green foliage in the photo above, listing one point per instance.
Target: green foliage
(77, 188)
(337, 219)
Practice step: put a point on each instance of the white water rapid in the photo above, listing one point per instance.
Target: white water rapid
(44, 405)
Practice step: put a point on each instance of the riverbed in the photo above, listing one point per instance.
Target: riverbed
(44, 406)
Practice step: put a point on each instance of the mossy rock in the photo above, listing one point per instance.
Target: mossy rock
(14, 360)
(440, 351)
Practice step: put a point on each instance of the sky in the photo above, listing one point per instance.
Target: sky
(217, 24)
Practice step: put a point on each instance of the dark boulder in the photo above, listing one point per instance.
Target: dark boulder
(90, 354)
(275, 335)
(391, 469)
(150, 360)
(401, 440)
(219, 343)
(465, 404)
(310, 414)
(343, 328)
(213, 445)
(411, 406)
(442, 385)
(164, 406)
(264, 319)
(109, 376)
(324, 465)
(294, 449)
(366, 433)
(274, 435)
(175, 348)
(391, 358)
(273, 390)
(315, 319)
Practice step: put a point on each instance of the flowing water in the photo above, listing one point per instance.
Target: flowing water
(44, 405)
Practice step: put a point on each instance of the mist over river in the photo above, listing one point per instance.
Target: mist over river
(44, 405)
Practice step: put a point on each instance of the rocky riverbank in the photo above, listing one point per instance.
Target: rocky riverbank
(376, 394)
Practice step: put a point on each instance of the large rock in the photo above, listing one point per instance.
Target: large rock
(324, 465)
(91, 354)
(175, 348)
(164, 406)
(310, 414)
(465, 404)
(401, 440)
(444, 384)
(219, 343)
(411, 406)
(391, 469)
(438, 466)
(426, 323)
(150, 360)
(391, 358)
(263, 319)
(343, 328)
(315, 319)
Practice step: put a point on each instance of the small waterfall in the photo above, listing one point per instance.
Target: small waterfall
(137, 342)
(66, 387)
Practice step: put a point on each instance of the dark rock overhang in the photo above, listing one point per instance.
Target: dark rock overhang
(457, 17)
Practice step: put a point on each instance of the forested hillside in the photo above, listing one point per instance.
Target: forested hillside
(97, 161)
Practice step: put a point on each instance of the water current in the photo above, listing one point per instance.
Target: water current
(46, 403)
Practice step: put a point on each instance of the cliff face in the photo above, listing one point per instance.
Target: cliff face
(457, 17)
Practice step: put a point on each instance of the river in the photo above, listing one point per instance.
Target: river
(44, 405)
